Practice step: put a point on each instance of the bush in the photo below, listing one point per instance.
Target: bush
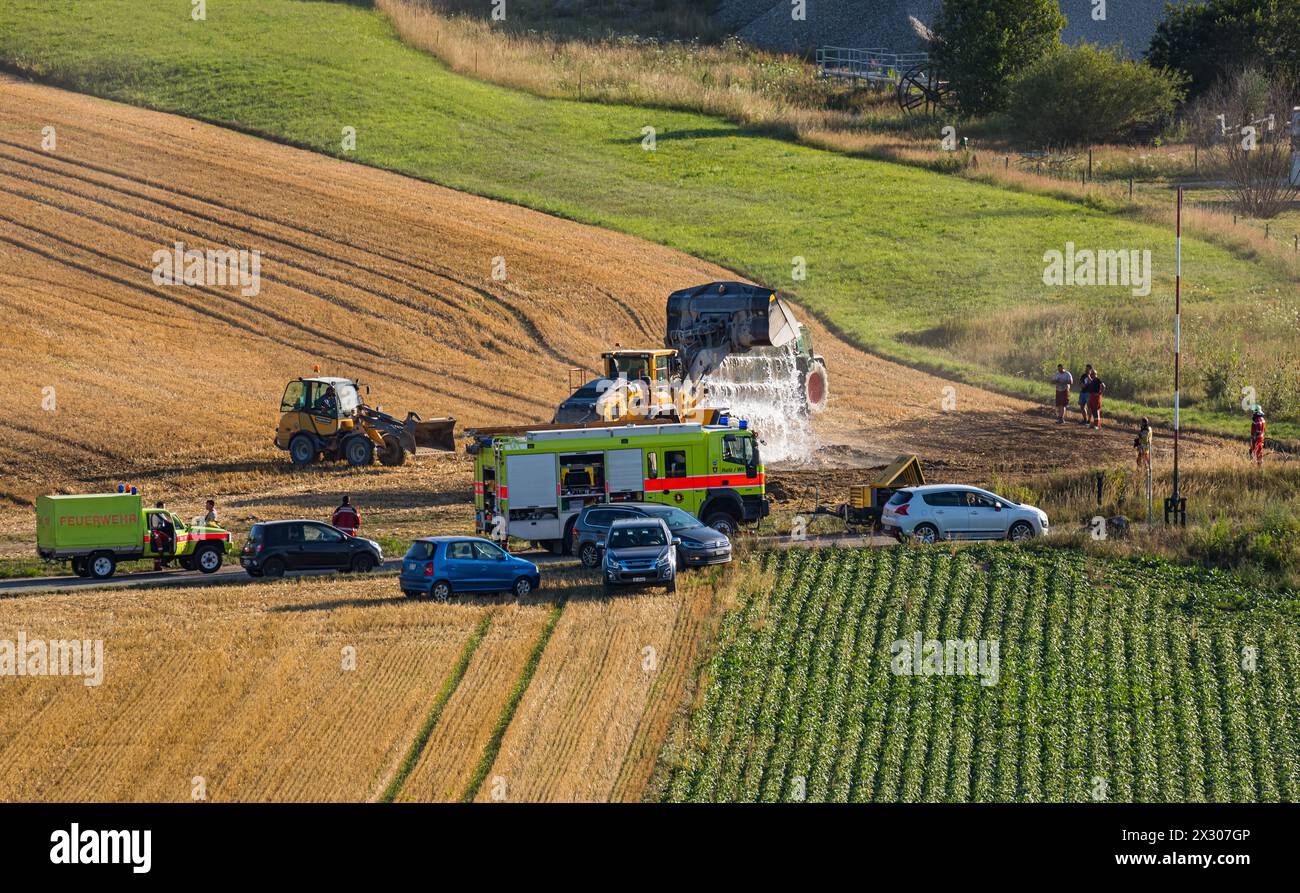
(982, 44)
(1206, 41)
(1079, 96)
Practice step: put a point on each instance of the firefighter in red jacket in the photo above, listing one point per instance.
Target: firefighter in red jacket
(1257, 424)
(346, 518)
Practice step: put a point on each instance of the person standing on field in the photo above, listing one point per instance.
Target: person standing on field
(1062, 379)
(1257, 425)
(346, 518)
(1142, 443)
(1083, 393)
(1097, 387)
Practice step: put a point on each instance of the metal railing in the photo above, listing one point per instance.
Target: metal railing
(874, 64)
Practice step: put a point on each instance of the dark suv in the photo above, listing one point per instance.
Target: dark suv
(274, 547)
(699, 544)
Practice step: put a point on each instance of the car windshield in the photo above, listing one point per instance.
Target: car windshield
(420, 551)
(676, 518)
(637, 536)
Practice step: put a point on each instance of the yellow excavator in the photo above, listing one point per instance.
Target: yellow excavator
(324, 419)
(706, 324)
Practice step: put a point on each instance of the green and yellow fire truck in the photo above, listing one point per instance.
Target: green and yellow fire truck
(97, 531)
(531, 484)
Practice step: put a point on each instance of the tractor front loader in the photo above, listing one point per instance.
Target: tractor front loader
(324, 419)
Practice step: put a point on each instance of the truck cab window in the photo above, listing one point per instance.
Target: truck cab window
(739, 450)
(675, 463)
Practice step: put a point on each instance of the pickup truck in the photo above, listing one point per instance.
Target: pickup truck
(97, 531)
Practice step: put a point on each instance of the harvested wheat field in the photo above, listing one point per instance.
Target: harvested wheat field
(339, 689)
(244, 686)
(364, 273)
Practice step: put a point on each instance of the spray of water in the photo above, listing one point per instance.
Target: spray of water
(765, 387)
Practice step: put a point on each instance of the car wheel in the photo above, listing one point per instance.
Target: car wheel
(1020, 531)
(80, 567)
(441, 591)
(359, 451)
(273, 567)
(363, 563)
(302, 450)
(723, 522)
(253, 573)
(522, 587)
(589, 555)
(926, 534)
(207, 560)
(102, 566)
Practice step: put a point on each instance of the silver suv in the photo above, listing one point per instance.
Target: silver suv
(948, 511)
(640, 552)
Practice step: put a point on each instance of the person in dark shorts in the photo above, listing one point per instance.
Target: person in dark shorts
(1083, 395)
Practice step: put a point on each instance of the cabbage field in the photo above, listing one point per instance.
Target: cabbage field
(993, 674)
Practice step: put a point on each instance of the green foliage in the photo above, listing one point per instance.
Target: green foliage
(1154, 678)
(1208, 40)
(1084, 95)
(982, 44)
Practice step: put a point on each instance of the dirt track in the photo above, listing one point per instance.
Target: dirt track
(365, 273)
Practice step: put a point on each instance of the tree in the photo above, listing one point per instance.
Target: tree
(1078, 96)
(1211, 40)
(981, 44)
(1254, 145)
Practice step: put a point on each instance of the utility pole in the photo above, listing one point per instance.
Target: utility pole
(1175, 505)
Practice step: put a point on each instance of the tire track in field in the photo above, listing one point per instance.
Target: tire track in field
(442, 304)
(528, 325)
(280, 320)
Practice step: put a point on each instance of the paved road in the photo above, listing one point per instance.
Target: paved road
(229, 573)
(233, 573)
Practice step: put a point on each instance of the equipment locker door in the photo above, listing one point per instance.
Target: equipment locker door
(623, 472)
(530, 481)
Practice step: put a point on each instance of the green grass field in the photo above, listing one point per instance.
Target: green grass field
(1115, 681)
(909, 263)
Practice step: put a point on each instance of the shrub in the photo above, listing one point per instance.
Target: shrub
(1078, 96)
(982, 44)
(1206, 41)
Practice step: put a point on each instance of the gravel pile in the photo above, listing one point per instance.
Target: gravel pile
(884, 23)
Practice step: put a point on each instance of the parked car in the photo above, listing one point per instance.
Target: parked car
(700, 544)
(947, 511)
(442, 566)
(640, 551)
(274, 547)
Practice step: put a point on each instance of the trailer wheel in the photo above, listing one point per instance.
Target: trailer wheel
(815, 387)
(359, 451)
(393, 452)
(102, 565)
(302, 449)
(80, 567)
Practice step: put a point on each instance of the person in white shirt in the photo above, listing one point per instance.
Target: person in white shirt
(1062, 379)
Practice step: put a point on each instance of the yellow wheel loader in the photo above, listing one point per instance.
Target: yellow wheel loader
(324, 419)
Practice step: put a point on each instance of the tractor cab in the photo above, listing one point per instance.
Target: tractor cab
(642, 384)
(324, 406)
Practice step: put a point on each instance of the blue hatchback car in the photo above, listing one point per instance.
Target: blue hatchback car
(443, 566)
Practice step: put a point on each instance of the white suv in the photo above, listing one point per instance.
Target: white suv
(953, 512)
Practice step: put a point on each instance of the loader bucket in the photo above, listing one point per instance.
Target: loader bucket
(434, 434)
